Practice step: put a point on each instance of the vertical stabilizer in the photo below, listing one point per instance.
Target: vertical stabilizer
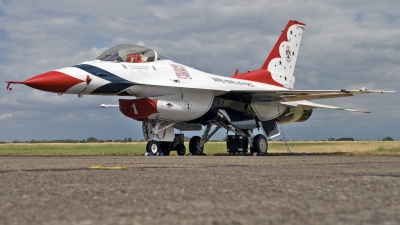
(279, 67)
(282, 59)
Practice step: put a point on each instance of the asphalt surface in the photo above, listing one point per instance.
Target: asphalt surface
(200, 190)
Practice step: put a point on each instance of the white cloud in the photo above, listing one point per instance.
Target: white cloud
(66, 117)
(5, 116)
(9, 115)
(96, 117)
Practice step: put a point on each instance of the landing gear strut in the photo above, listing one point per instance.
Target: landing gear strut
(196, 143)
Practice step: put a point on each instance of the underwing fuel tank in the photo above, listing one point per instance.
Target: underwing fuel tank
(139, 109)
(190, 107)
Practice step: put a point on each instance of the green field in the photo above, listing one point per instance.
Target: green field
(211, 148)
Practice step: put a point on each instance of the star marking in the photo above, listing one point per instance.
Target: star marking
(280, 62)
(293, 53)
(291, 32)
(285, 78)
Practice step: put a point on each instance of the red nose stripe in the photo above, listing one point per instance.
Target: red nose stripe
(52, 81)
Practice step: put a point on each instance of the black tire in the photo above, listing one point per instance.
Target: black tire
(166, 147)
(180, 149)
(194, 145)
(153, 147)
(260, 144)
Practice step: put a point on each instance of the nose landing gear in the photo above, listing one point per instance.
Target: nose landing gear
(164, 148)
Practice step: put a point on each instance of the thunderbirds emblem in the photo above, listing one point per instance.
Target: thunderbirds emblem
(288, 54)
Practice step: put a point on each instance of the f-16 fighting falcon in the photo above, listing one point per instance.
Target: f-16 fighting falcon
(167, 95)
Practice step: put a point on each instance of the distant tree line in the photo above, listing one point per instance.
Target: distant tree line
(352, 139)
(88, 140)
(387, 139)
(341, 139)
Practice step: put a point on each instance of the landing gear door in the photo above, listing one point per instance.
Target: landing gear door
(270, 128)
(160, 131)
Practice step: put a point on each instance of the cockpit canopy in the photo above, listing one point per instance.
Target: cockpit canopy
(130, 53)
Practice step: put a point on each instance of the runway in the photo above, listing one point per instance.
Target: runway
(200, 190)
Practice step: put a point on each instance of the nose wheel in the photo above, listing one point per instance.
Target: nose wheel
(152, 147)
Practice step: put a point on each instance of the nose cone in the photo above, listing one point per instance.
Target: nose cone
(52, 81)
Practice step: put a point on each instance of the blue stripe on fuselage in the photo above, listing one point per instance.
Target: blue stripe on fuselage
(117, 84)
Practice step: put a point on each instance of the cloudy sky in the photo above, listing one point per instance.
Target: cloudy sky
(346, 45)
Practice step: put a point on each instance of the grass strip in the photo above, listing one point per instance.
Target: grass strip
(211, 148)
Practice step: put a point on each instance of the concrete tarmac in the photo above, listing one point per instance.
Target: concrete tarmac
(200, 190)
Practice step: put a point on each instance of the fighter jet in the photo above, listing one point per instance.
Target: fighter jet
(167, 95)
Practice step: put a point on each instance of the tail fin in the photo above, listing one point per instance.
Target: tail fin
(282, 59)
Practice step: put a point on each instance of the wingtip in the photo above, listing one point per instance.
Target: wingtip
(359, 111)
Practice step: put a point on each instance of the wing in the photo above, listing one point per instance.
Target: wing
(299, 98)
(299, 95)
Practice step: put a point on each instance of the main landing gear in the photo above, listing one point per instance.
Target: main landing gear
(158, 132)
(195, 147)
(260, 145)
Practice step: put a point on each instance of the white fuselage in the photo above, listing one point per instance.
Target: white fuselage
(158, 78)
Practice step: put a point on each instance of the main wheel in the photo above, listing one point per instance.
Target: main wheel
(180, 149)
(260, 144)
(194, 145)
(153, 147)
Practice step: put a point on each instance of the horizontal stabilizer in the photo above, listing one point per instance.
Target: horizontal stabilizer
(310, 105)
